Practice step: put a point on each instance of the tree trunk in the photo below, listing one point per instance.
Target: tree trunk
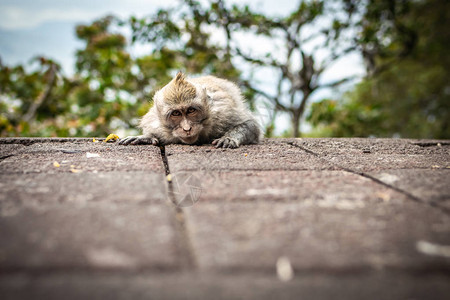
(295, 118)
(297, 114)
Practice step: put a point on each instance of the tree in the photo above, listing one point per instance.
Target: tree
(405, 44)
(33, 99)
(104, 68)
(181, 34)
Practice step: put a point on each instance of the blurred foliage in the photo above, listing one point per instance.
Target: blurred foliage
(407, 90)
(33, 100)
(404, 44)
(102, 93)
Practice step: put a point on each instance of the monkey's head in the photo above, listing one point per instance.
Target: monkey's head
(183, 109)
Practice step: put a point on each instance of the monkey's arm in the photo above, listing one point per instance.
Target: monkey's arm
(247, 132)
(139, 140)
(151, 131)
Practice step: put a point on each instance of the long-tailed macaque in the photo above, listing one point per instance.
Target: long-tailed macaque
(198, 111)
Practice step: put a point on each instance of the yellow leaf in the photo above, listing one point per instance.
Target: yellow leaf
(169, 177)
(112, 137)
(56, 164)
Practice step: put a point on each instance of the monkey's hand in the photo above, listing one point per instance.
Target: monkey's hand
(139, 140)
(245, 133)
(226, 142)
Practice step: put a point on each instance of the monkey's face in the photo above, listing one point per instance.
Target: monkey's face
(186, 123)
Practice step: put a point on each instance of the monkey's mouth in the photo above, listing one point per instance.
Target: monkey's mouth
(189, 139)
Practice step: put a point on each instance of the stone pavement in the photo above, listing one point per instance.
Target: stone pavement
(286, 219)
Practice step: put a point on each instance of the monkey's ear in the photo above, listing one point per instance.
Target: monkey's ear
(179, 78)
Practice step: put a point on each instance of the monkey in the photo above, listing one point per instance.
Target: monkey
(196, 111)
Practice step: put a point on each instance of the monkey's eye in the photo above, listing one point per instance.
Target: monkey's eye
(191, 110)
(176, 113)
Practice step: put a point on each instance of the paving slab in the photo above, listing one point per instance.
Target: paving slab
(265, 156)
(42, 190)
(375, 286)
(319, 219)
(113, 236)
(240, 236)
(26, 141)
(432, 186)
(9, 149)
(81, 156)
(372, 145)
(379, 154)
(417, 167)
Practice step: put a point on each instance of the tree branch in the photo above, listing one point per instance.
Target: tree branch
(337, 82)
(43, 96)
(273, 99)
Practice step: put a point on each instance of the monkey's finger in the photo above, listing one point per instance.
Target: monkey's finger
(219, 143)
(139, 140)
(229, 143)
(215, 141)
(226, 143)
(127, 140)
(232, 144)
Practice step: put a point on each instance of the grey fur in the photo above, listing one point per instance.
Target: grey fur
(222, 117)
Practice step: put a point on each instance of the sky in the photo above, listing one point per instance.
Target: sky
(47, 27)
(30, 28)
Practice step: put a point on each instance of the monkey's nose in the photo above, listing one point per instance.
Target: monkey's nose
(187, 130)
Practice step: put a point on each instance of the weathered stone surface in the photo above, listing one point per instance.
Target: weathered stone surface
(113, 236)
(380, 154)
(265, 156)
(325, 188)
(378, 285)
(40, 158)
(376, 162)
(26, 141)
(355, 218)
(319, 219)
(427, 185)
(9, 149)
(358, 146)
(41, 190)
(377, 235)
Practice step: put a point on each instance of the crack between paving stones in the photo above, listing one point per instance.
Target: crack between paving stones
(27, 141)
(5, 156)
(410, 196)
(184, 248)
(362, 174)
